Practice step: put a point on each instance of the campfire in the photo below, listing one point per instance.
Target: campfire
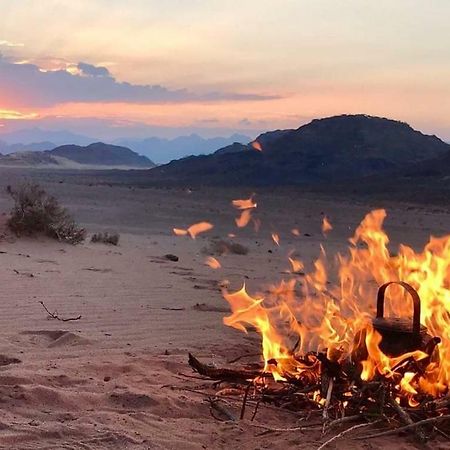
(364, 336)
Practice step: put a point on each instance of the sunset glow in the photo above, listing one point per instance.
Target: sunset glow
(136, 63)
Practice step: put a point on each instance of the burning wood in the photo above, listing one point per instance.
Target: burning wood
(321, 350)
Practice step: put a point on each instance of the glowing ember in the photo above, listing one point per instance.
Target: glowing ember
(296, 265)
(244, 219)
(213, 263)
(194, 229)
(336, 318)
(326, 226)
(244, 204)
(276, 238)
(180, 232)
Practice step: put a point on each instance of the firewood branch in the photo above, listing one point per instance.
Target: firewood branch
(54, 315)
(222, 373)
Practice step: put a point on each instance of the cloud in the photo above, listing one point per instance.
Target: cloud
(94, 71)
(28, 84)
(4, 43)
(245, 122)
(7, 114)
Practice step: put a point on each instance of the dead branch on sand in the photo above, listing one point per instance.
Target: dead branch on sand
(54, 315)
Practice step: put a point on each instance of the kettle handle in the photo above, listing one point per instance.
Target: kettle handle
(416, 303)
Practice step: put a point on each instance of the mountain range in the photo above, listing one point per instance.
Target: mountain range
(95, 155)
(162, 151)
(345, 150)
(159, 150)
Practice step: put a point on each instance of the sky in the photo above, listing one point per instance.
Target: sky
(113, 68)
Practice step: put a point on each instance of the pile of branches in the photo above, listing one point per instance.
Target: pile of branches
(37, 212)
(346, 399)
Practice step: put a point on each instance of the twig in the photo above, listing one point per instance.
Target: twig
(328, 399)
(411, 426)
(343, 433)
(244, 401)
(255, 410)
(222, 374)
(54, 315)
(343, 420)
(283, 430)
(406, 419)
(215, 404)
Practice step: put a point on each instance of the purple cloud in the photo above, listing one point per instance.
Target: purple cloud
(31, 86)
(94, 71)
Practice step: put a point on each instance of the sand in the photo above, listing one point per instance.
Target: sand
(117, 377)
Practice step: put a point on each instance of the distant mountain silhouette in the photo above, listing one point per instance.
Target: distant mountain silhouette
(99, 153)
(57, 137)
(334, 149)
(6, 148)
(164, 150)
(72, 156)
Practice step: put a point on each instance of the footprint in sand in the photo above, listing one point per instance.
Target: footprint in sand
(55, 338)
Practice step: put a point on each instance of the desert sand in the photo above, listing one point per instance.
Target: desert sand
(118, 378)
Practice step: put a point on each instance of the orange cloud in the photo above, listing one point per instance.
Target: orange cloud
(7, 114)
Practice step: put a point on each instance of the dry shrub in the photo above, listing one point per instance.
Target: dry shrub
(219, 247)
(37, 212)
(106, 238)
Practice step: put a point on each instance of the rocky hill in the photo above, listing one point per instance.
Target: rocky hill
(334, 149)
(97, 155)
(100, 154)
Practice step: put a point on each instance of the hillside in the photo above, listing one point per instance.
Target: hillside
(101, 154)
(97, 155)
(334, 149)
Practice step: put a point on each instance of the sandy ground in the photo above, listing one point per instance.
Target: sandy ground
(117, 378)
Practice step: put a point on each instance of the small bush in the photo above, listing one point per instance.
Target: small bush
(106, 238)
(37, 212)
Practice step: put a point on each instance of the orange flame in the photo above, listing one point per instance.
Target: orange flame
(194, 229)
(326, 226)
(243, 220)
(213, 263)
(336, 318)
(296, 265)
(276, 238)
(244, 203)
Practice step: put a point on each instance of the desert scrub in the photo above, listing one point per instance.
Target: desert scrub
(37, 212)
(106, 238)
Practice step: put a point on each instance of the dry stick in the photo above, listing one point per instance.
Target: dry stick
(55, 316)
(440, 403)
(406, 419)
(244, 401)
(206, 394)
(255, 410)
(432, 420)
(328, 400)
(214, 403)
(343, 420)
(284, 430)
(343, 433)
(222, 373)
